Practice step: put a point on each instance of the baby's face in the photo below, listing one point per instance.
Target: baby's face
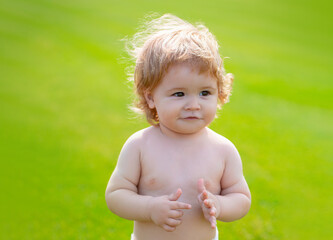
(185, 100)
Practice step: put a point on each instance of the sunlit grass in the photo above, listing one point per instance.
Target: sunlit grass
(64, 113)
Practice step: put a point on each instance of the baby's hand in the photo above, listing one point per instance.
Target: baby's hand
(208, 203)
(165, 211)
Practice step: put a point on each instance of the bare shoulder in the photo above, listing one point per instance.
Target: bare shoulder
(140, 137)
(131, 150)
(127, 173)
(222, 143)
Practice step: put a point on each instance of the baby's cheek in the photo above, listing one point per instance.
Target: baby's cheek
(210, 114)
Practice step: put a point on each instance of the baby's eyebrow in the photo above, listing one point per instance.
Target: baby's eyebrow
(208, 87)
(176, 89)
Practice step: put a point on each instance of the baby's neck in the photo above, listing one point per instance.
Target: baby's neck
(181, 136)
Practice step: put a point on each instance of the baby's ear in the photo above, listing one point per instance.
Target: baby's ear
(150, 100)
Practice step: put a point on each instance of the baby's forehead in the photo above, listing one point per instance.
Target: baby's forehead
(183, 74)
(188, 68)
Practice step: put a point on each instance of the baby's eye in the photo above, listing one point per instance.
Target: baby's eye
(204, 93)
(178, 94)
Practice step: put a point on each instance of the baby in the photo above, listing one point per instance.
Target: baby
(177, 177)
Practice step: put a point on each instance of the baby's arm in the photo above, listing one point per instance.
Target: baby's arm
(235, 199)
(123, 199)
(121, 192)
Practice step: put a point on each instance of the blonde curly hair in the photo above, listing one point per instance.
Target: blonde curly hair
(168, 40)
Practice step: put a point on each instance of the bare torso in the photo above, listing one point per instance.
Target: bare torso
(168, 164)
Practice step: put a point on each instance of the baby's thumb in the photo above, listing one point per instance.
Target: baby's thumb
(201, 185)
(176, 195)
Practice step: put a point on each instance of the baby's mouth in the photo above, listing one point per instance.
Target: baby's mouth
(191, 118)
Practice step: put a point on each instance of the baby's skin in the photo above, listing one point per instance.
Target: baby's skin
(177, 187)
(177, 178)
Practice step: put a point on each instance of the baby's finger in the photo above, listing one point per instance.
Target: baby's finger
(176, 214)
(212, 221)
(168, 228)
(213, 212)
(199, 198)
(204, 195)
(174, 196)
(173, 222)
(208, 203)
(180, 205)
(201, 185)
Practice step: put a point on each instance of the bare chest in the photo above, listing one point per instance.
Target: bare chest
(165, 168)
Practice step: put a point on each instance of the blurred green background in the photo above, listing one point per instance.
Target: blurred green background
(64, 115)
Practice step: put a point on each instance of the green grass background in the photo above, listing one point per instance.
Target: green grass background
(64, 115)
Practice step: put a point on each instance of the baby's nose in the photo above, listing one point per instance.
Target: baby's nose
(193, 104)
